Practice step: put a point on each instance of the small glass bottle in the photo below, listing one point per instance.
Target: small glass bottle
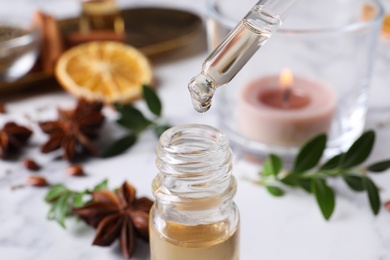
(98, 15)
(194, 216)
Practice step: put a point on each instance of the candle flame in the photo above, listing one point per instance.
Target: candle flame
(286, 79)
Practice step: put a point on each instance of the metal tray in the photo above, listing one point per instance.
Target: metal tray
(152, 30)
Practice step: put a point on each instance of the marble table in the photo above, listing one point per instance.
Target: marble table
(271, 228)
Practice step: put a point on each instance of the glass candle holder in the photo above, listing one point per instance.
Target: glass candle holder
(311, 77)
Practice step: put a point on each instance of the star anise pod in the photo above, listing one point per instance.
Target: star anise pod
(74, 129)
(12, 137)
(120, 215)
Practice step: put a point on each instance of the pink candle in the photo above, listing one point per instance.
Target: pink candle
(285, 111)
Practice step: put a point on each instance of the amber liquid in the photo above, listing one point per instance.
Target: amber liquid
(208, 242)
(100, 15)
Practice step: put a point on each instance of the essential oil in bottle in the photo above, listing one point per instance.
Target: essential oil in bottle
(194, 216)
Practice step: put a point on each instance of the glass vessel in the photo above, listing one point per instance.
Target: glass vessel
(380, 92)
(194, 216)
(329, 47)
(101, 15)
(19, 44)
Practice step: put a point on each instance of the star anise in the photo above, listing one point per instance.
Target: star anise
(74, 129)
(12, 137)
(120, 215)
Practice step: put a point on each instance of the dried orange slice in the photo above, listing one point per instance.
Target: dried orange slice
(104, 71)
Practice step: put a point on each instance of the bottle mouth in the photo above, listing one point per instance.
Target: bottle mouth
(195, 160)
(193, 140)
(195, 169)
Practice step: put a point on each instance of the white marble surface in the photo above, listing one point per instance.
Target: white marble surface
(271, 228)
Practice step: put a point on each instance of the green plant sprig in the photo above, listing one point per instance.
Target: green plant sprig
(310, 175)
(62, 200)
(136, 122)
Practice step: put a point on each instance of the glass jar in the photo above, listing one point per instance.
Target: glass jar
(194, 216)
(329, 46)
(19, 41)
(98, 15)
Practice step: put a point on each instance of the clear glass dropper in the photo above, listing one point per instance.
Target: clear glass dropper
(236, 49)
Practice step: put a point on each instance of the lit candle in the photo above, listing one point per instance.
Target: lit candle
(285, 111)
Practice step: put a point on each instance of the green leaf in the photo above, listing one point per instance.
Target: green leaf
(132, 118)
(359, 151)
(305, 184)
(50, 214)
(120, 145)
(55, 192)
(325, 197)
(59, 209)
(333, 162)
(275, 191)
(310, 154)
(373, 194)
(160, 129)
(78, 200)
(103, 185)
(379, 166)
(290, 180)
(354, 182)
(152, 100)
(272, 166)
